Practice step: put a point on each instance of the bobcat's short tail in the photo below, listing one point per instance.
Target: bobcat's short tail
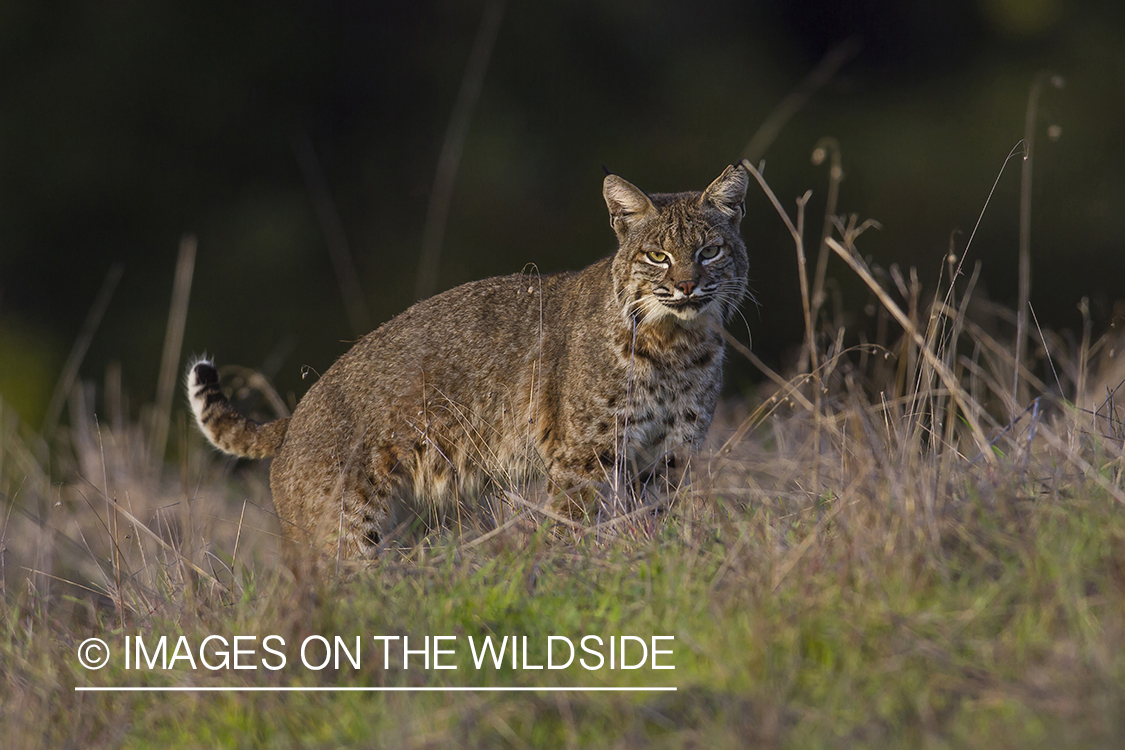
(222, 425)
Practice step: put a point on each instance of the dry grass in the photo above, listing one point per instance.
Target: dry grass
(889, 547)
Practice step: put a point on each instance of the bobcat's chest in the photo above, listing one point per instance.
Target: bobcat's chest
(670, 411)
(671, 393)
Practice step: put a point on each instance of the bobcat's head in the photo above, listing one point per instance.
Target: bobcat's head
(680, 256)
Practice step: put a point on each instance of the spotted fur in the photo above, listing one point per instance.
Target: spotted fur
(577, 376)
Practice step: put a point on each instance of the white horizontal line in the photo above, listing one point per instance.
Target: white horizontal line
(318, 689)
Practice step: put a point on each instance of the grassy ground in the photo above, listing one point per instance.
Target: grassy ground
(900, 547)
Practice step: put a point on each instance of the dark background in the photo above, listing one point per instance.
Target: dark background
(125, 125)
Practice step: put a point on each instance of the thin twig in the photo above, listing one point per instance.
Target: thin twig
(799, 551)
(543, 511)
(828, 67)
(338, 250)
(137, 524)
(173, 344)
(79, 349)
(803, 277)
(237, 538)
(64, 580)
(516, 517)
(790, 390)
(1046, 351)
(1019, 149)
(437, 213)
(830, 148)
(1030, 116)
(1081, 463)
(956, 391)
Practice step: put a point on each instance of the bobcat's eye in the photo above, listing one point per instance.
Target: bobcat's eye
(657, 257)
(710, 252)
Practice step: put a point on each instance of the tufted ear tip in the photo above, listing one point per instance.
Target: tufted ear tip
(728, 192)
(626, 203)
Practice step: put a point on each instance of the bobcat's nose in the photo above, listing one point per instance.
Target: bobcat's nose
(685, 286)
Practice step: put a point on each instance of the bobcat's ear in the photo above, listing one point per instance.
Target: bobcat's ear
(627, 204)
(728, 192)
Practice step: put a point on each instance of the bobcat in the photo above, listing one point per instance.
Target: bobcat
(572, 375)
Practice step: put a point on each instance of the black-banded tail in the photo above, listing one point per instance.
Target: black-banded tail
(222, 425)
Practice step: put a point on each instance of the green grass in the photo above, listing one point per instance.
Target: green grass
(890, 551)
(1004, 630)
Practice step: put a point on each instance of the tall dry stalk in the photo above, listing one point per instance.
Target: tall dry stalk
(343, 263)
(826, 148)
(797, 231)
(824, 72)
(78, 350)
(173, 344)
(437, 212)
(964, 401)
(1019, 390)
